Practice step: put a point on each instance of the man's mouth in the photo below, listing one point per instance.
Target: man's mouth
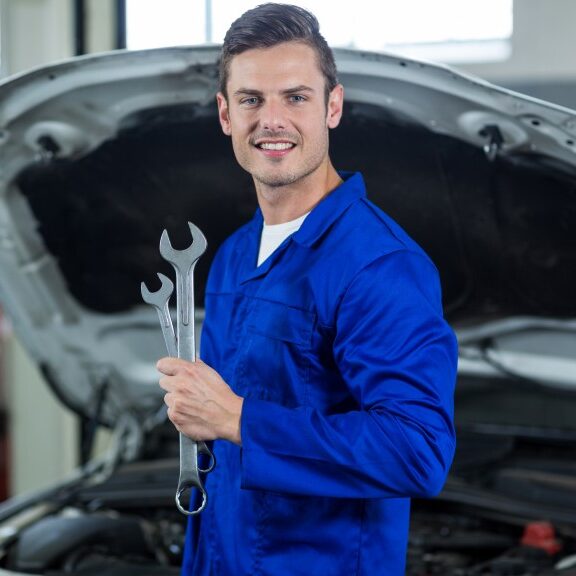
(275, 145)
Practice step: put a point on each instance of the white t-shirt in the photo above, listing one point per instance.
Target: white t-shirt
(274, 234)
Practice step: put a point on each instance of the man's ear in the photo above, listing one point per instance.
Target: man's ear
(223, 113)
(335, 105)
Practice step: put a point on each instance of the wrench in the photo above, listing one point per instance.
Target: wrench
(159, 300)
(184, 262)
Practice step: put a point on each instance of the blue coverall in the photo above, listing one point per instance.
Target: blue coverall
(338, 344)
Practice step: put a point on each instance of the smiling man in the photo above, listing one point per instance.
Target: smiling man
(278, 111)
(328, 369)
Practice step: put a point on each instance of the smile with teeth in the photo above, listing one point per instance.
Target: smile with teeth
(275, 145)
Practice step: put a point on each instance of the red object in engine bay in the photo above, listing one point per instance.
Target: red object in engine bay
(541, 535)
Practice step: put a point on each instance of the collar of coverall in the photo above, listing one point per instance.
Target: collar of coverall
(328, 210)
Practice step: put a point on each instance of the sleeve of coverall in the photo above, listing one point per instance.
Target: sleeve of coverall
(398, 357)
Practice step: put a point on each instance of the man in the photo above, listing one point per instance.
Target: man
(327, 369)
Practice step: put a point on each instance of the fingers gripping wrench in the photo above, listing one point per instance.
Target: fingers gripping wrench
(183, 345)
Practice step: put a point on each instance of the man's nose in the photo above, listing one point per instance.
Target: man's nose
(272, 116)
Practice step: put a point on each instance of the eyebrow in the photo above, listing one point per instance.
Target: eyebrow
(295, 90)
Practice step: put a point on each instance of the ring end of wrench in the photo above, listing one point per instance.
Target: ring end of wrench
(184, 487)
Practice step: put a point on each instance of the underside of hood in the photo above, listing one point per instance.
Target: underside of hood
(100, 154)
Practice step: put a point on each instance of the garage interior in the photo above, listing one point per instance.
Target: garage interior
(40, 443)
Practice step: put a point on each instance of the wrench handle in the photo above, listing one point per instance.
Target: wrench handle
(189, 477)
(189, 449)
(168, 331)
(185, 313)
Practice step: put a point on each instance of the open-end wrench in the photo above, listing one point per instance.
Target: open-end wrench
(184, 262)
(159, 300)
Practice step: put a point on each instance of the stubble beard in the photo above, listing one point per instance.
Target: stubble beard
(277, 178)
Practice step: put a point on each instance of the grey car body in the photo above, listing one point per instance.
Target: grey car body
(99, 154)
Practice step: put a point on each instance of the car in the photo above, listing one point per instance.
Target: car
(99, 154)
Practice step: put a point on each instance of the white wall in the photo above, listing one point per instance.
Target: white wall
(543, 45)
(35, 32)
(100, 25)
(42, 432)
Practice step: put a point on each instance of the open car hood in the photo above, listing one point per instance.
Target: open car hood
(99, 154)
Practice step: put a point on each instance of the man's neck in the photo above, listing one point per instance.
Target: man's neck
(285, 203)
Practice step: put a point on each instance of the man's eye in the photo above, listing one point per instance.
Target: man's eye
(253, 100)
(297, 98)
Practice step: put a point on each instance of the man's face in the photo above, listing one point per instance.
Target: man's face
(276, 113)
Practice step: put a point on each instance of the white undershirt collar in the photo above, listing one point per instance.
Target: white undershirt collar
(274, 234)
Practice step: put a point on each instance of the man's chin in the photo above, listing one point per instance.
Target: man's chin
(275, 180)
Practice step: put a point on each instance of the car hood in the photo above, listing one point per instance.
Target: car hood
(99, 154)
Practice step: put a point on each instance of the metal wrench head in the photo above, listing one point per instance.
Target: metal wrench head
(160, 297)
(184, 262)
(184, 259)
(159, 300)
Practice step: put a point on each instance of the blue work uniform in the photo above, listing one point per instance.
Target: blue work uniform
(338, 344)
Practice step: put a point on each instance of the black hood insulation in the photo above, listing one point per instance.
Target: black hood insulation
(500, 232)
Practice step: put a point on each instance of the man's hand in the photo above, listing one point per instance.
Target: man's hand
(200, 404)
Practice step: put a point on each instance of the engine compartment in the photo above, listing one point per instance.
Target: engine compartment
(508, 509)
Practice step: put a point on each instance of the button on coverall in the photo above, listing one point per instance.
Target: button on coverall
(338, 344)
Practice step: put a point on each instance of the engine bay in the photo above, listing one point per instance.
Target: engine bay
(508, 509)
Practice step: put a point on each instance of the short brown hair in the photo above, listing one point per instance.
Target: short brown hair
(270, 24)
